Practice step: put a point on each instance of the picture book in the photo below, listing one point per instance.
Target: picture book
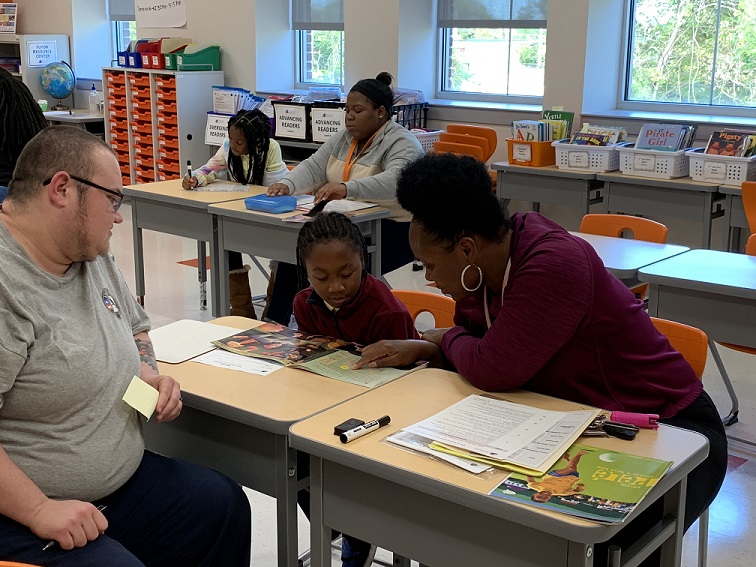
(326, 356)
(588, 482)
(726, 143)
(750, 146)
(568, 117)
(615, 133)
(661, 137)
(585, 139)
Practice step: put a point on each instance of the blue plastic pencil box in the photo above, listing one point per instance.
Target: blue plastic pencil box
(275, 205)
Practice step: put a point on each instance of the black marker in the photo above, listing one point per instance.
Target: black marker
(364, 429)
(52, 542)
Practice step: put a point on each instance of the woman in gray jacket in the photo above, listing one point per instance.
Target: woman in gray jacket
(361, 162)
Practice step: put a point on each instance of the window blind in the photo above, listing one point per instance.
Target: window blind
(527, 14)
(121, 10)
(317, 15)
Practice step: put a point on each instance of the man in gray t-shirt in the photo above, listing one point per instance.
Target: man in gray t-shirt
(73, 468)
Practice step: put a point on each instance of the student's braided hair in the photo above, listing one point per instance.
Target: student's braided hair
(325, 228)
(20, 115)
(255, 126)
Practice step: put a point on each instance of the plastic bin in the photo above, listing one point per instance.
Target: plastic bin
(586, 158)
(427, 138)
(533, 154)
(653, 163)
(198, 57)
(725, 170)
(411, 115)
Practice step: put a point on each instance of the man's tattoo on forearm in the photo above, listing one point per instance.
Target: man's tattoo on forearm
(146, 353)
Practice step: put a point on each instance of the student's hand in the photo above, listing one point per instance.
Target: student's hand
(396, 353)
(434, 336)
(278, 189)
(169, 402)
(189, 183)
(69, 522)
(331, 192)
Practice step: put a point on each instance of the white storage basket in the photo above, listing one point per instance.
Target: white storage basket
(586, 158)
(426, 138)
(653, 163)
(725, 170)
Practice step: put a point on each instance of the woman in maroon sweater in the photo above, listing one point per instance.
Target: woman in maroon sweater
(537, 309)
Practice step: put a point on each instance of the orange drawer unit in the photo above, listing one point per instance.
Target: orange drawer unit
(142, 115)
(167, 106)
(166, 96)
(144, 140)
(168, 119)
(140, 80)
(165, 82)
(119, 134)
(167, 175)
(167, 130)
(140, 92)
(121, 147)
(141, 105)
(168, 167)
(117, 90)
(142, 128)
(144, 162)
(168, 144)
(144, 174)
(117, 114)
(114, 78)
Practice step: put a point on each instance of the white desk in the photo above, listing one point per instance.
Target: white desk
(74, 116)
(269, 236)
(238, 424)
(548, 184)
(712, 290)
(442, 516)
(662, 198)
(166, 207)
(623, 257)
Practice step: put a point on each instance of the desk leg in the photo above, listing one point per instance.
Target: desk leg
(727, 232)
(375, 232)
(674, 507)
(286, 502)
(202, 273)
(320, 535)
(138, 252)
(220, 259)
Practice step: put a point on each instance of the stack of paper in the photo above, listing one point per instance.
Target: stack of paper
(499, 433)
(230, 100)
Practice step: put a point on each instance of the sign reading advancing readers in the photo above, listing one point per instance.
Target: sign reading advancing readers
(42, 52)
(326, 122)
(216, 130)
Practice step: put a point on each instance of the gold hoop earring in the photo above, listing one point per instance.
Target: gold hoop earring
(480, 278)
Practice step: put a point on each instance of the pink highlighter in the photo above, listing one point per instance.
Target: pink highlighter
(644, 420)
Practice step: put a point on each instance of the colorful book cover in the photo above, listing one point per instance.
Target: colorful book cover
(661, 137)
(568, 117)
(280, 344)
(586, 139)
(727, 144)
(588, 482)
(326, 356)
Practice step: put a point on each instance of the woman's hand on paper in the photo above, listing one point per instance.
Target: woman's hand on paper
(169, 402)
(434, 336)
(278, 189)
(397, 353)
(331, 192)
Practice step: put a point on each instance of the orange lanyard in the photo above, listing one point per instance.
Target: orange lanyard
(349, 161)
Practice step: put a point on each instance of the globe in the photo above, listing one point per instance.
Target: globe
(58, 80)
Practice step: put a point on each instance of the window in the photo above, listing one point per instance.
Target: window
(492, 49)
(692, 52)
(320, 41)
(123, 26)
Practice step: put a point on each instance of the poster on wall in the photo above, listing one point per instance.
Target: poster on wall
(8, 17)
(160, 13)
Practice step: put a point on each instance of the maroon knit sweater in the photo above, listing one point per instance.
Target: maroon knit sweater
(567, 328)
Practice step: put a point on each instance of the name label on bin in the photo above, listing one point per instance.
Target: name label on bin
(715, 170)
(522, 152)
(291, 121)
(326, 122)
(644, 162)
(577, 159)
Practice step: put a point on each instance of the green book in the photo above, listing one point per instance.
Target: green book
(560, 115)
(598, 484)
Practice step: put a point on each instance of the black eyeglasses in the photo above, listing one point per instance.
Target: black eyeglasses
(116, 202)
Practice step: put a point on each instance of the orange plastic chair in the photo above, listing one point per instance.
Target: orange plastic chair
(616, 225)
(749, 204)
(693, 344)
(16, 564)
(459, 149)
(465, 139)
(483, 132)
(441, 307)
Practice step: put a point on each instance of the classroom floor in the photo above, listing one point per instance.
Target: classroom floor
(172, 293)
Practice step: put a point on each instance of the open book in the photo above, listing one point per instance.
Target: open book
(326, 356)
(598, 484)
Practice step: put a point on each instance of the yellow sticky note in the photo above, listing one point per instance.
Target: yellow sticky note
(141, 396)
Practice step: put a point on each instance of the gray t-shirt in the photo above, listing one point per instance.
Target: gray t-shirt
(67, 355)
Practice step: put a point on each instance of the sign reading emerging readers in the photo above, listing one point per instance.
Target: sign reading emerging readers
(216, 130)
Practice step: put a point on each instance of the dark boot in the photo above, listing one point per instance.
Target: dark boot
(241, 294)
